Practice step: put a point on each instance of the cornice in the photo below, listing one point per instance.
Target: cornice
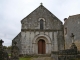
(48, 30)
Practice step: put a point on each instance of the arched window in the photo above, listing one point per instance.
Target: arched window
(41, 24)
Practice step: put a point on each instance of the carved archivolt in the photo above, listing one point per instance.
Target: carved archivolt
(44, 37)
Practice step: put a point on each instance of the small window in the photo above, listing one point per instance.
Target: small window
(41, 24)
(65, 31)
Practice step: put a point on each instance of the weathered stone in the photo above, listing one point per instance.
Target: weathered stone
(1, 43)
(32, 31)
(3, 53)
(72, 25)
(47, 36)
(67, 54)
(15, 52)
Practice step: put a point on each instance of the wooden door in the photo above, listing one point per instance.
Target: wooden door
(41, 46)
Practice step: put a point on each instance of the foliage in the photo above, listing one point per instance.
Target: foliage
(4, 47)
(9, 54)
(9, 47)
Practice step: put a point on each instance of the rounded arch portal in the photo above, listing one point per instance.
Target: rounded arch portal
(44, 41)
(41, 46)
(44, 37)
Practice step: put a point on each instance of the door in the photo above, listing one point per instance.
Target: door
(41, 46)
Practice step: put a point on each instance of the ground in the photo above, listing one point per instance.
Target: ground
(23, 58)
(29, 58)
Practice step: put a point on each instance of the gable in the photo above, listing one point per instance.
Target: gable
(41, 13)
(41, 10)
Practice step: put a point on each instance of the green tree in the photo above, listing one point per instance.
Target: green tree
(4, 47)
(9, 47)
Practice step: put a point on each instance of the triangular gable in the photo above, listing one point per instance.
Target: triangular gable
(39, 9)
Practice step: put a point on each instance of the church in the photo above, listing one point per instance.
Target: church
(41, 33)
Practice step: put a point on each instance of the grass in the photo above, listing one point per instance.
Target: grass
(23, 58)
(75, 59)
(9, 54)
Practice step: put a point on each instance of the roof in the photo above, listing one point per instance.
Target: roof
(72, 17)
(75, 15)
(41, 8)
(17, 36)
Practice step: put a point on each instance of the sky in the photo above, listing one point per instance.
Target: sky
(13, 11)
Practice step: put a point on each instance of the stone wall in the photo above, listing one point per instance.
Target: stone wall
(18, 40)
(68, 54)
(30, 41)
(73, 26)
(52, 33)
(32, 21)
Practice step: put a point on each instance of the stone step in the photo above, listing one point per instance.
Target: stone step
(42, 58)
(42, 55)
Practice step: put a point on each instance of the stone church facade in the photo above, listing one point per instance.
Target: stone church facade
(41, 33)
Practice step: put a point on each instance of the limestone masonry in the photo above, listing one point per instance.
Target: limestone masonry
(42, 32)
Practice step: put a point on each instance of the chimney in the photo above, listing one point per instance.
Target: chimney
(65, 20)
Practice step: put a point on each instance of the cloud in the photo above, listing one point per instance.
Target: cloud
(13, 11)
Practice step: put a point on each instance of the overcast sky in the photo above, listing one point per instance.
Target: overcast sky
(13, 11)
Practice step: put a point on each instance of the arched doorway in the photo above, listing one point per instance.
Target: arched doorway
(41, 46)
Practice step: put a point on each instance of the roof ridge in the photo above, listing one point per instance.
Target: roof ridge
(41, 6)
(74, 15)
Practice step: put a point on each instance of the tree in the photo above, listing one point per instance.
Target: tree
(9, 47)
(4, 47)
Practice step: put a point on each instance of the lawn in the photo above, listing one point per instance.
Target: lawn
(22, 58)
